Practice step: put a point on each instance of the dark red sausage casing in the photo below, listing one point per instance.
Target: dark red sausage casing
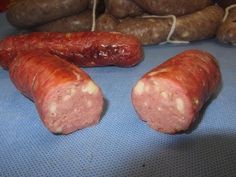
(82, 48)
(170, 96)
(66, 98)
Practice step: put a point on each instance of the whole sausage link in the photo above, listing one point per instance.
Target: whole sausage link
(82, 48)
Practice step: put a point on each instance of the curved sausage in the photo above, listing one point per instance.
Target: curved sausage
(153, 30)
(122, 8)
(83, 48)
(74, 23)
(29, 13)
(66, 98)
(170, 96)
(170, 7)
(227, 30)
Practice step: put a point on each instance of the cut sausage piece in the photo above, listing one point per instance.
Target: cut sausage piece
(29, 13)
(82, 48)
(227, 31)
(170, 7)
(66, 98)
(170, 96)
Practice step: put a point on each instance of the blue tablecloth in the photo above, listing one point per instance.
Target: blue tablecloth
(121, 144)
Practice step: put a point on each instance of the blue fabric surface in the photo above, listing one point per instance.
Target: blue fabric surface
(121, 144)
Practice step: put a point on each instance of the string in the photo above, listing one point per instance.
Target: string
(94, 15)
(227, 11)
(172, 29)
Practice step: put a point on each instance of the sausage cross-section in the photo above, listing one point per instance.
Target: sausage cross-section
(66, 98)
(82, 48)
(170, 96)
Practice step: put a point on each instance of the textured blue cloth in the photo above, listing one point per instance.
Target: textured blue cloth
(121, 144)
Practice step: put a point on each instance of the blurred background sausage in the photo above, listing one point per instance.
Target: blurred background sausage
(122, 8)
(170, 7)
(200, 25)
(79, 22)
(29, 13)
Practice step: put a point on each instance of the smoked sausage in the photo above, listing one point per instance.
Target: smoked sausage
(74, 23)
(122, 8)
(170, 96)
(66, 98)
(28, 13)
(82, 48)
(170, 7)
(200, 25)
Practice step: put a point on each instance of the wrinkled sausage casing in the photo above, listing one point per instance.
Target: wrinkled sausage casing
(28, 13)
(66, 98)
(74, 23)
(170, 96)
(82, 48)
(200, 25)
(170, 7)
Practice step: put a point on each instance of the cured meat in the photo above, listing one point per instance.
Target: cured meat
(170, 96)
(74, 23)
(66, 98)
(149, 30)
(170, 7)
(28, 13)
(122, 8)
(82, 48)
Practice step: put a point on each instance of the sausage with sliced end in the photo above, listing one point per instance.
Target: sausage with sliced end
(227, 31)
(82, 48)
(170, 96)
(28, 13)
(74, 23)
(66, 98)
(122, 8)
(153, 30)
(170, 7)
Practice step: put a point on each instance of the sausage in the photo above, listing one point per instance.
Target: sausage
(227, 31)
(170, 96)
(82, 48)
(106, 22)
(169, 7)
(225, 3)
(154, 30)
(66, 98)
(74, 23)
(122, 8)
(30, 13)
